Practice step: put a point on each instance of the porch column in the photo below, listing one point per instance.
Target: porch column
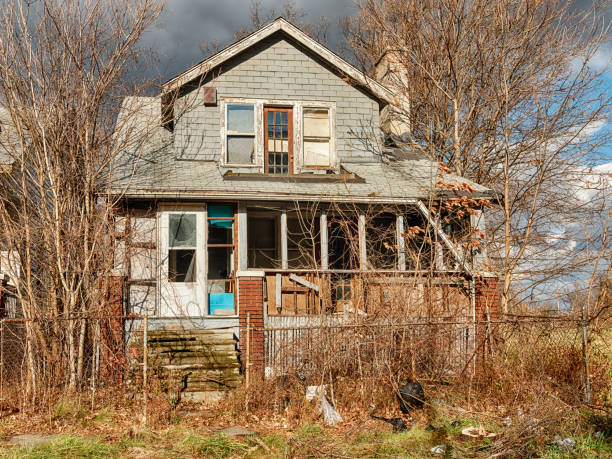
(401, 243)
(242, 237)
(363, 253)
(479, 257)
(251, 310)
(283, 235)
(324, 254)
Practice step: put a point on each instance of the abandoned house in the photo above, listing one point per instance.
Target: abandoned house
(267, 186)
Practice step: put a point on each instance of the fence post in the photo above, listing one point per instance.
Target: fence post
(585, 356)
(247, 366)
(145, 363)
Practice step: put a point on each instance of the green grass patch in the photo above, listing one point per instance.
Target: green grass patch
(214, 446)
(65, 446)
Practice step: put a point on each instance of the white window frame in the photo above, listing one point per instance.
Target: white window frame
(225, 133)
(298, 142)
(331, 109)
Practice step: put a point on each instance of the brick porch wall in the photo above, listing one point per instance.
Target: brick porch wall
(487, 304)
(250, 302)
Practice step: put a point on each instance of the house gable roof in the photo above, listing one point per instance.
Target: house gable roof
(281, 25)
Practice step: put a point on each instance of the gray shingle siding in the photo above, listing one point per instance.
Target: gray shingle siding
(277, 69)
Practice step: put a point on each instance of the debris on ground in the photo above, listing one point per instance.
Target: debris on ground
(411, 396)
(234, 431)
(477, 432)
(330, 415)
(566, 443)
(507, 421)
(397, 423)
(32, 439)
(439, 449)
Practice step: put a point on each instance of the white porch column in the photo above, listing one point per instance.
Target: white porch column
(283, 235)
(324, 254)
(242, 237)
(363, 253)
(401, 243)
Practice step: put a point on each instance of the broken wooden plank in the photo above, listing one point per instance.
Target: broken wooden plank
(304, 282)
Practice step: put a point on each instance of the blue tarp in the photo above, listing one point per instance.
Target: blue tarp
(221, 212)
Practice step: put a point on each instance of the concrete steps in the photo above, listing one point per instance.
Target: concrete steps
(189, 362)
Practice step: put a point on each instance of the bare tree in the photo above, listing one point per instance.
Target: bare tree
(260, 16)
(506, 94)
(65, 68)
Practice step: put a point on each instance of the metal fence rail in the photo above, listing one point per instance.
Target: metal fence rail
(427, 347)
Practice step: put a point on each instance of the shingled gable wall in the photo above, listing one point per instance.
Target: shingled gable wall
(275, 69)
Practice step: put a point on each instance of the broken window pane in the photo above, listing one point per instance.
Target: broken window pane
(316, 137)
(181, 265)
(182, 230)
(240, 150)
(240, 119)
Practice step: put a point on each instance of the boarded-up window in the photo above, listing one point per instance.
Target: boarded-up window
(240, 134)
(317, 134)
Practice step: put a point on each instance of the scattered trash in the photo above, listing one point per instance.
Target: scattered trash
(599, 435)
(439, 449)
(411, 395)
(566, 443)
(519, 413)
(456, 423)
(435, 429)
(507, 421)
(397, 423)
(477, 432)
(234, 431)
(330, 415)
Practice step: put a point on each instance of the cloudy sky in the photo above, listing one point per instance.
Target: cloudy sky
(185, 24)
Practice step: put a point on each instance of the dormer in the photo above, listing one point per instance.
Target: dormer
(275, 103)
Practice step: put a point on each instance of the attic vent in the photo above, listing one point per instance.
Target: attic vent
(210, 96)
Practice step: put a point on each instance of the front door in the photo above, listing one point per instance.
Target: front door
(278, 144)
(183, 268)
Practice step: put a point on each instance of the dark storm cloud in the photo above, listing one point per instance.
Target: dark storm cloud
(185, 24)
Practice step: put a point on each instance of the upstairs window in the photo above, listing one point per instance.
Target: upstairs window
(278, 143)
(316, 138)
(278, 137)
(240, 145)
